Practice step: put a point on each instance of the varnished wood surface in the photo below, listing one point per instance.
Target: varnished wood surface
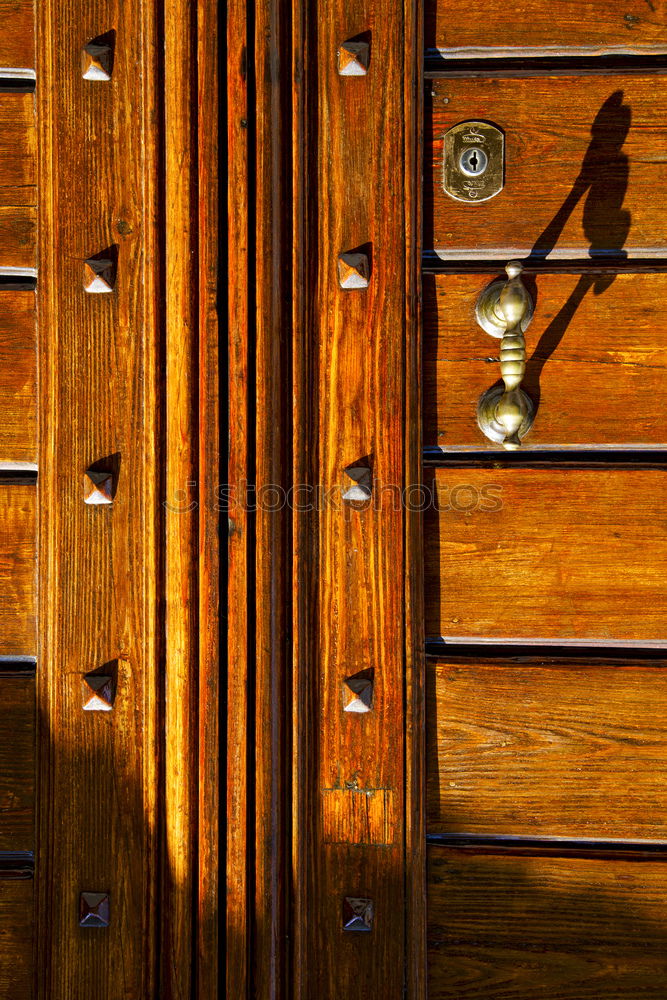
(99, 565)
(553, 928)
(18, 234)
(17, 762)
(18, 377)
(583, 163)
(546, 28)
(16, 939)
(17, 149)
(17, 34)
(548, 748)
(355, 184)
(181, 520)
(238, 771)
(210, 144)
(18, 554)
(558, 554)
(597, 361)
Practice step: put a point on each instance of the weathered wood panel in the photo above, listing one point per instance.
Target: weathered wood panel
(18, 553)
(488, 28)
(548, 748)
(16, 938)
(553, 928)
(17, 34)
(17, 762)
(597, 361)
(17, 149)
(583, 165)
(558, 554)
(18, 377)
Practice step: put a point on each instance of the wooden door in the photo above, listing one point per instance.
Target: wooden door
(108, 475)
(462, 691)
(545, 566)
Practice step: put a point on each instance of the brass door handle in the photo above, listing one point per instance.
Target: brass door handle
(504, 309)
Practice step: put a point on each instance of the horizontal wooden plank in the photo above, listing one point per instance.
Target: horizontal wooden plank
(597, 361)
(558, 929)
(17, 149)
(17, 569)
(487, 28)
(17, 34)
(553, 554)
(18, 234)
(18, 377)
(17, 763)
(16, 939)
(583, 162)
(555, 749)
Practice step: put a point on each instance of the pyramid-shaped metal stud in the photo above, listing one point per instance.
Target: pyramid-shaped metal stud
(94, 909)
(96, 61)
(362, 479)
(99, 275)
(357, 914)
(353, 270)
(353, 58)
(358, 692)
(99, 693)
(97, 487)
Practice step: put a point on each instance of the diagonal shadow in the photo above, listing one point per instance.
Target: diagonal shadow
(603, 180)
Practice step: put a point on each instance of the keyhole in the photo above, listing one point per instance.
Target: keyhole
(473, 161)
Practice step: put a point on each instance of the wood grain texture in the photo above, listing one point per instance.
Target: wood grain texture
(582, 164)
(557, 554)
(181, 519)
(18, 566)
(99, 567)
(597, 361)
(18, 236)
(553, 928)
(17, 149)
(548, 748)
(238, 596)
(17, 34)
(17, 762)
(16, 939)
(359, 196)
(18, 377)
(268, 373)
(210, 405)
(545, 28)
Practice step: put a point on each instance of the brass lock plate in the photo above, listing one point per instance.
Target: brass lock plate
(474, 162)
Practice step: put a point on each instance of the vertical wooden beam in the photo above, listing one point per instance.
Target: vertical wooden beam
(357, 797)
(210, 688)
(182, 492)
(99, 572)
(269, 635)
(239, 551)
(415, 665)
